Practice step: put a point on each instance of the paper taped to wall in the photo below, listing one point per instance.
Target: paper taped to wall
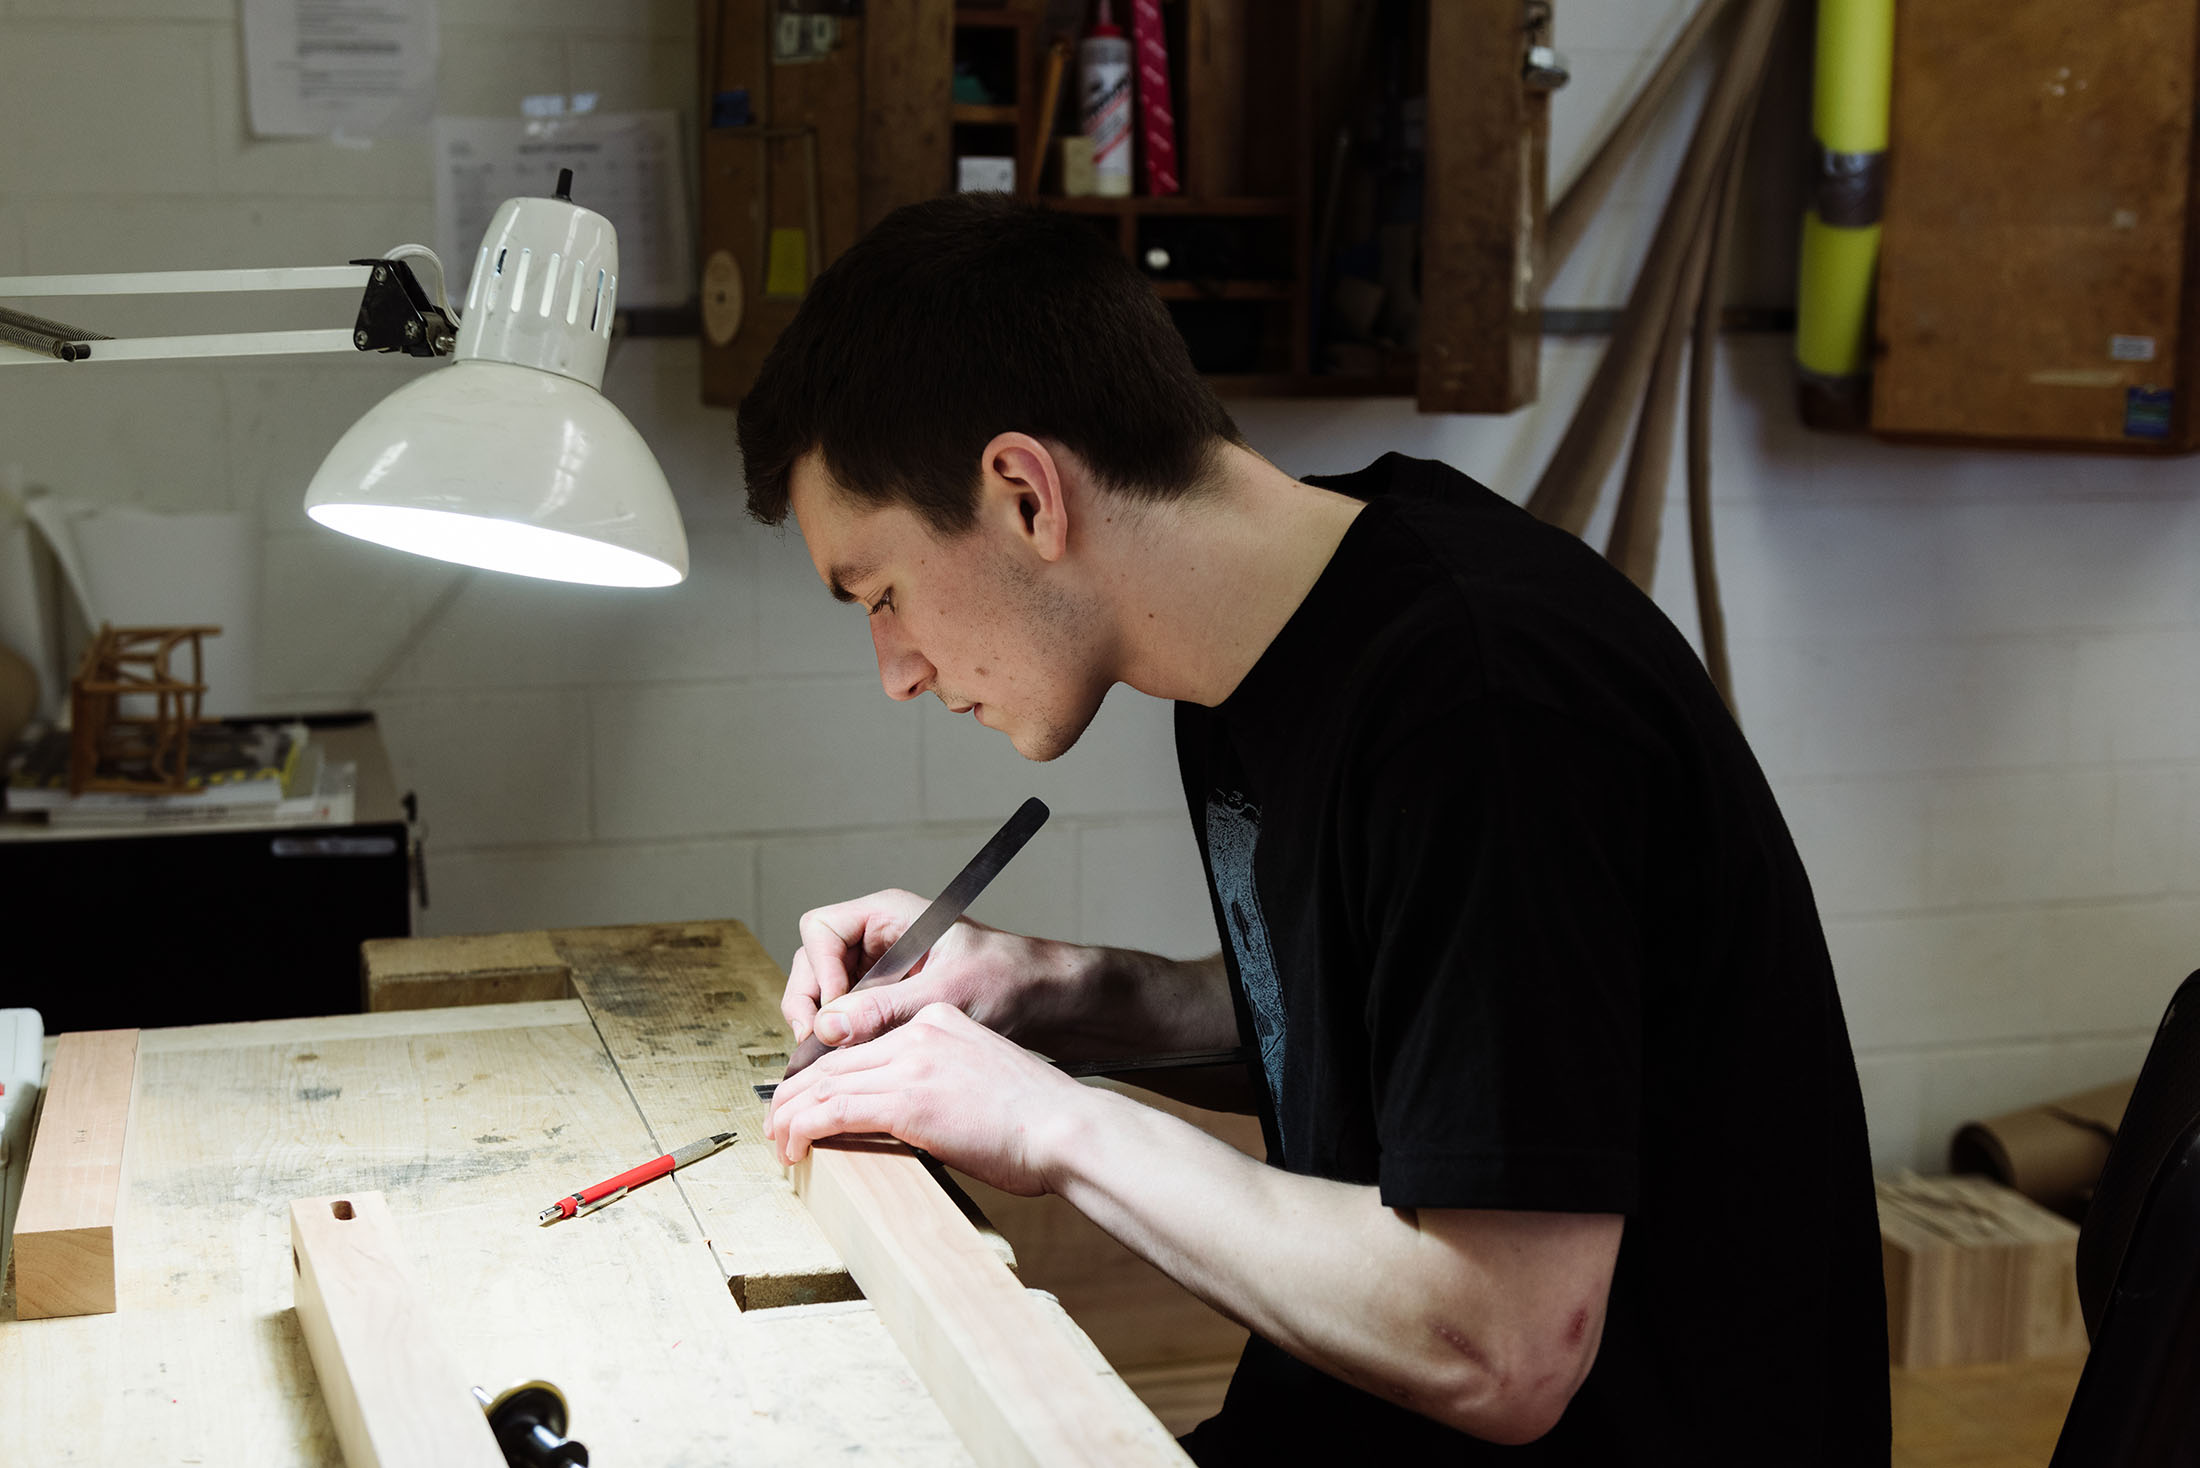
(339, 68)
(626, 167)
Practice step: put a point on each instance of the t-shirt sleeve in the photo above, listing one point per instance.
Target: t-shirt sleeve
(1500, 887)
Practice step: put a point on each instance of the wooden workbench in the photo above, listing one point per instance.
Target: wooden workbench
(470, 1120)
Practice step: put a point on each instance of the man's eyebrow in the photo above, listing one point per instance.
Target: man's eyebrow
(840, 576)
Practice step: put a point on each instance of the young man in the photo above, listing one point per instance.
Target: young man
(1566, 1154)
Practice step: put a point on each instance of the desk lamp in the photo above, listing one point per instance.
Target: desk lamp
(511, 460)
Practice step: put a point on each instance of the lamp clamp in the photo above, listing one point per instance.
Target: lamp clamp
(395, 314)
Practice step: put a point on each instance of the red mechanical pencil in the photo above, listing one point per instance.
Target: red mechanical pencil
(587, 1200)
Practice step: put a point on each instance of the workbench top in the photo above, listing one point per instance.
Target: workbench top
(470, 1120)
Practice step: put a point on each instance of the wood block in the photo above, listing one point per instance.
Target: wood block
(438, 973)
(65, 1226)
(1976, 1272)
(392, 1394)
(1013, 1387)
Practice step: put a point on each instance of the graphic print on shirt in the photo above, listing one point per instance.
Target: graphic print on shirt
(1233, 830)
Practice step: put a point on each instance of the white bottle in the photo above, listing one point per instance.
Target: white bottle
(1104, 92)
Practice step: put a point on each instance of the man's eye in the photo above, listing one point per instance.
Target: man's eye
(883, 604)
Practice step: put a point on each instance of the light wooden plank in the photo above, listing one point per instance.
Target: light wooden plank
(474, 968)
(391, 1391)
(1016, 1389)
(467, 1134)
(65, 1225)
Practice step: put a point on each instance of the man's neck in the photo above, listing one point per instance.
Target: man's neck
(1200, 587)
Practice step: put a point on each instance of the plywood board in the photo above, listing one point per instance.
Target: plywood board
(2034, 259)
(65, 1226)
(468, 1121)
(392, 1393)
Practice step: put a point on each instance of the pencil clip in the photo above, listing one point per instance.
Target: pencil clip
(606, 1198)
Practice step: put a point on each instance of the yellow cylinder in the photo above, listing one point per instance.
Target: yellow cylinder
(1855, 75)
(1834, 297)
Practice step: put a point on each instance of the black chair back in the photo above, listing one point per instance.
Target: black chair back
(2138, 1403)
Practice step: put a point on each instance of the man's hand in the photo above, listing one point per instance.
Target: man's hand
(993, 976)
(942, 1082)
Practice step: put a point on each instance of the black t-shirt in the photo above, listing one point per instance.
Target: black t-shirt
(1513, 922)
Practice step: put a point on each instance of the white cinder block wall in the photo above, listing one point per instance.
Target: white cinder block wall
(1974, 677)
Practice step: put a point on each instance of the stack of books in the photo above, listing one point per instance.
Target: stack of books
(239, 774)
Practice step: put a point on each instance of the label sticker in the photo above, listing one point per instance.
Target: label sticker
(787, 270)
(2146, 412)
(2131, 349)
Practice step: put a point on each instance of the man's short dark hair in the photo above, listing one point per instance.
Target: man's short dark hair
(967, 316)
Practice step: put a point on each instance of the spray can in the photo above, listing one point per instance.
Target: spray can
(1104, 96)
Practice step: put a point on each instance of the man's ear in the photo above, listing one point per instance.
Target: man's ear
(1023, 484)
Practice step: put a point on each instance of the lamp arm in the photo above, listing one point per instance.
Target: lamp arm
(395, 314)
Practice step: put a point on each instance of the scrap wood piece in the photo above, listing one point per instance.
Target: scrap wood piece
(392, 1394)
(1006, 1376)
(439, 973)
(65, 1225)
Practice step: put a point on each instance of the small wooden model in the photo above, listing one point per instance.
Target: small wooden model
(126, 748)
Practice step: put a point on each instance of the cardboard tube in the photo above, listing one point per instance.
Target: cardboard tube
(2052, 1153)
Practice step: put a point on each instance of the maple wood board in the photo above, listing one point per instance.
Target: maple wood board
(392, 1394)
(65, 1225)
(1016, 1390)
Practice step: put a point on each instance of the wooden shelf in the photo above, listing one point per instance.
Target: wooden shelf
(1169, 204)
(1224, 290)
(986, 115)
(1304, 385)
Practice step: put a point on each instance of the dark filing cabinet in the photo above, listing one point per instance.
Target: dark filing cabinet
(104, 930)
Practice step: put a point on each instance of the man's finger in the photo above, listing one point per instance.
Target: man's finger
(855, 1018)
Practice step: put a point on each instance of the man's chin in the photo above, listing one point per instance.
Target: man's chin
(1047, 743)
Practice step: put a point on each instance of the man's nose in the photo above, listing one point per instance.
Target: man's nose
(902, 670)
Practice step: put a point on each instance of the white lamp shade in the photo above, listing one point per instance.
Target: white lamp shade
(510, 459)
(508, 468)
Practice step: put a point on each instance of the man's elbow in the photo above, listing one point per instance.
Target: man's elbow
(1516, 1394)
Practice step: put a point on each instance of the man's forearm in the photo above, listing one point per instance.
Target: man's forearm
(1113, 1002)
(1451, 1329)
